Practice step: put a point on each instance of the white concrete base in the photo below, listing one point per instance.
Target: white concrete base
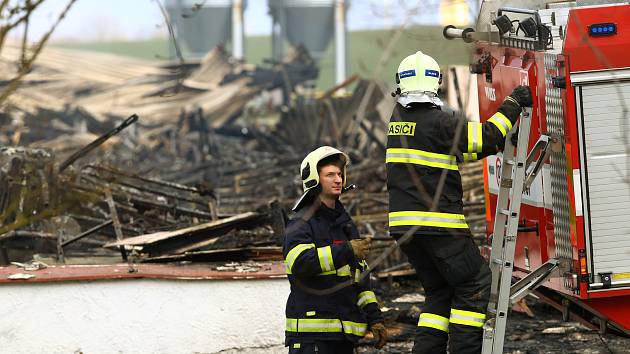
(144, 316)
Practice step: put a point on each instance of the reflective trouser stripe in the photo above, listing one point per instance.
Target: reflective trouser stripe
(470, 157)
(467, 318)
(433, 321)
(323, 325)
(420, 157)
(325, 259)
(366, 297)
(293, 254)
(424, 218)
(475, 138)
(502, 122)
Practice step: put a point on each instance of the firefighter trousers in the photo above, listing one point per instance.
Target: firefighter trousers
(456, 280)
(322, 347)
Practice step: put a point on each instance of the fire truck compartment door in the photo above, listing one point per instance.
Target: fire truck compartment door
(605, 110)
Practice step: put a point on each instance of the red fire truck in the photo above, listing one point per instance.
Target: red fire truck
(575, 57)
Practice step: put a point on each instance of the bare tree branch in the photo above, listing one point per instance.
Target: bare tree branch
(28, 63)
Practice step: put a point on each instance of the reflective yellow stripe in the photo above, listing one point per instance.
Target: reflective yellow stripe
(364, 265)
(475, 139)
(424, 218)
(320, 325)
(501, 122)
(433, 321)
(313, 325)
(325, 259)
(366, 297)
(296, 345)
(467, 318)
(356, 328)
(344, 271)
(470, 157)
(341, 272)
(294, 253)
(420, 157)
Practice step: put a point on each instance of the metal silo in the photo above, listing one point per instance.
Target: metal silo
(201, 25)
(311, 23)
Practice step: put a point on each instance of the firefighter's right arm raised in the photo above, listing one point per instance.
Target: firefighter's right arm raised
(478, 140)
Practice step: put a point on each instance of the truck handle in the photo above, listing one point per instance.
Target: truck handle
(543, 147)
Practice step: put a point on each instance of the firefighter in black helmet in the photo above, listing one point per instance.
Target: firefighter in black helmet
(331, 305)
(420, 141)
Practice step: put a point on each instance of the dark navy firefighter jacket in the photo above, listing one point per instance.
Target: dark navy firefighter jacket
(328, 299)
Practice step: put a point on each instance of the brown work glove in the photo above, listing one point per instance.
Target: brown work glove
(360, 248)
(380, 334)
(522, 95)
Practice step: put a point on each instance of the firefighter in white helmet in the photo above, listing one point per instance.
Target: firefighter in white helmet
(423, 143)
(331, 305)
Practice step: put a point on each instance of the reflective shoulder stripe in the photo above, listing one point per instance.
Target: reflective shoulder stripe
(470, 157)
(325, 259)
(433, 321)
(502, 122)
(421, 157)
(366, 297)
(475, 138)
(424, 218)
(325, 325)
(294, 253)
(467, 318)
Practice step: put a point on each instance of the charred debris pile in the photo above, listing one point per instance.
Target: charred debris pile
(105, 159)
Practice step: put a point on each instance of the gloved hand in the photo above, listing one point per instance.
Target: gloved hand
(360, 247)
(380, 334)
(522, 95)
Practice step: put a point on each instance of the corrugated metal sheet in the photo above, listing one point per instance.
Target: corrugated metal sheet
(559, 184)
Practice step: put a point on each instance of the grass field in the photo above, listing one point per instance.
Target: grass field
(364, 51)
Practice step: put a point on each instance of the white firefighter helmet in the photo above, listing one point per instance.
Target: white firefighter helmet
(418, 79)
(309, 173)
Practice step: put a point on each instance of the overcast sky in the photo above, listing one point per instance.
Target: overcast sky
(93, 20)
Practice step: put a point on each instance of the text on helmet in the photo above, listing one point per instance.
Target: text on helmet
(407, 73)
(432, 73)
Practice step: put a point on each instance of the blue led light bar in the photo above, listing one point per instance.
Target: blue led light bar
(602, 29)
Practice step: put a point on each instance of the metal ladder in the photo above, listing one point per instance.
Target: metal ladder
(517, 175)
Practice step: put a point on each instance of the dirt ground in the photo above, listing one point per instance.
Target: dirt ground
(544, 333)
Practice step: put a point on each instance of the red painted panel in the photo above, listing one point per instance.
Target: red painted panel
(152, 271)
(596, 53)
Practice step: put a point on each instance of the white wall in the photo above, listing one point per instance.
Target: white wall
(143, 316)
